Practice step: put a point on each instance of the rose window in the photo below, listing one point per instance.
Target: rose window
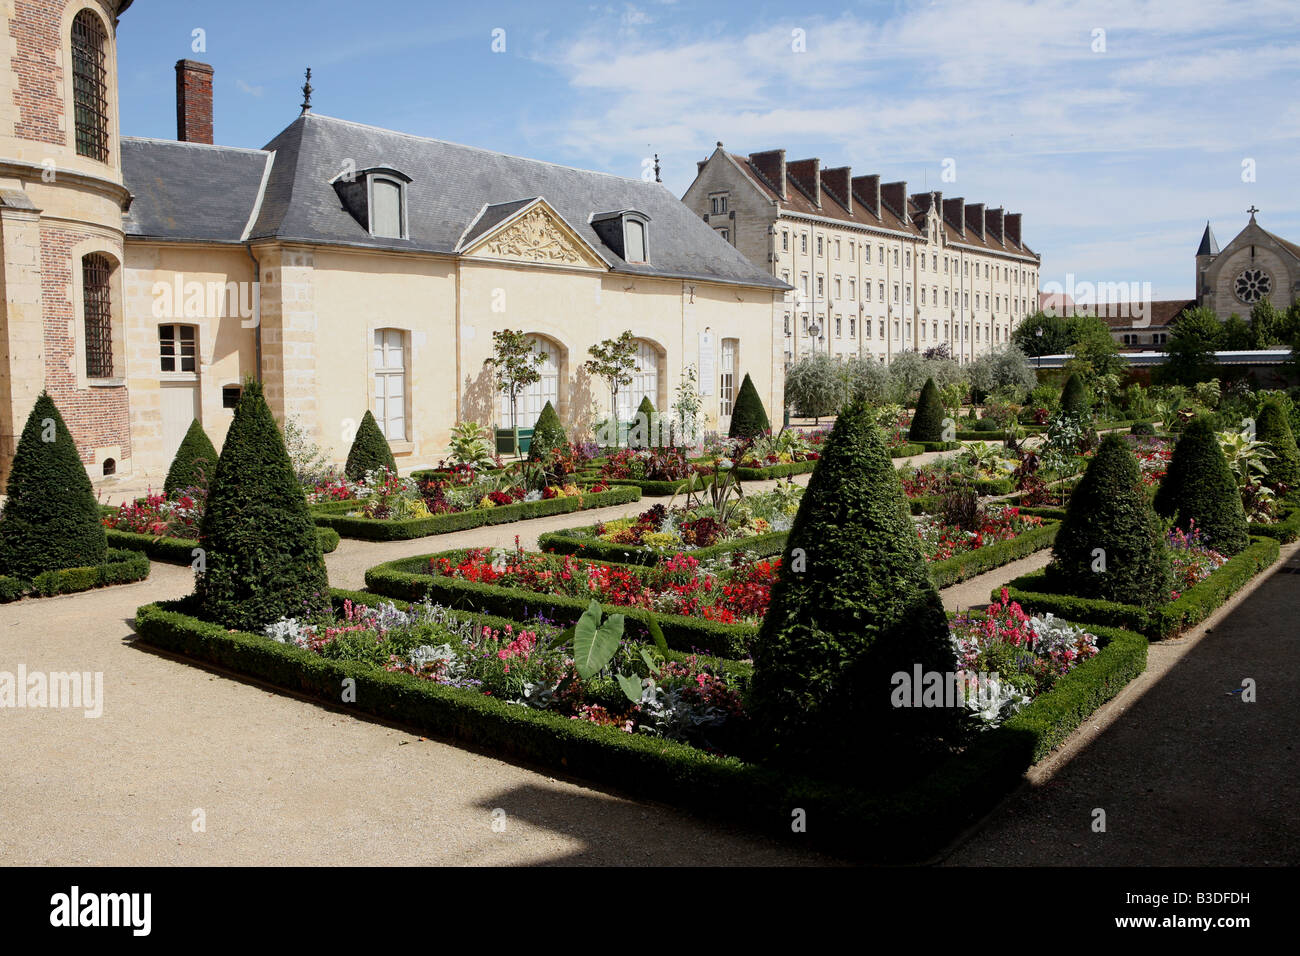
(1252, 285)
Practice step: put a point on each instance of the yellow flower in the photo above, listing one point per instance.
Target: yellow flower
(784, 458)
(485, 502)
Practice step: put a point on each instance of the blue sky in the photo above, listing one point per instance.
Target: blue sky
(1116, 146)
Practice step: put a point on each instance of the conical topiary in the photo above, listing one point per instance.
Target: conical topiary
(261, 554)
(194, 462)
(927, 423)
(1199, 488)
(748, 416)
(1111, 544)
(1274, 427)
(1074, 400)
(548, 434)
(644, 432)
(369, 450)
(854, 604)
(51, 519)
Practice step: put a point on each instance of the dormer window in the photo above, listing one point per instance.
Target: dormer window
(626, 232)
(376, 199)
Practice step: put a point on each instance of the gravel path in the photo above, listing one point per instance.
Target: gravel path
(1188, 774)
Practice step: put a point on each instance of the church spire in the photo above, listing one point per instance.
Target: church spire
(1209, 245)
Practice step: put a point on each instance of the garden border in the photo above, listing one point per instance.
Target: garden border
(181, 550)
(379, 529)
(120, 566)
(1166, 620)
(565, 542)
(904, 826)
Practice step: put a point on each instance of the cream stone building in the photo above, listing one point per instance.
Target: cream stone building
(875, 270)
(345, 266)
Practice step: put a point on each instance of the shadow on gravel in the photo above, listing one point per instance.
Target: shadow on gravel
(1191, 774)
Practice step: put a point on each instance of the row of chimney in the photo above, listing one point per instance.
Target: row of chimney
(868, 193)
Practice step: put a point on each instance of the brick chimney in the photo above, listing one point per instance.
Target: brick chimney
(193, 102)
(808, 173)
(1012, 226)
(975, 218)
(771, 164)
(867, 189)
(894, 196)
(838, 183)
(954, 210)
(993, 219)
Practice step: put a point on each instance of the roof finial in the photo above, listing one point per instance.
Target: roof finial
(657, 179)
(306, 93)
(1252, 210)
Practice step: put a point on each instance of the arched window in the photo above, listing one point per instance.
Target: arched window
(96, 289)
(90, 85)
(533, 399)
(645, 382)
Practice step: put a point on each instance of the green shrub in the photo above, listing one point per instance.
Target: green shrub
(369, 450)
(263, 559)
(1142, 428)
(118, 567)
(927, 423)
(1109, 511)
(194, 462)
(51, 519)
(854, 603)
(1074, 400)
(548, 434)
(748, 416)
(1199, 487)
(1273, 426)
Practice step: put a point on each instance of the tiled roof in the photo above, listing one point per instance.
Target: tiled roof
(200, 193)
(910, 220)
(1120, 316)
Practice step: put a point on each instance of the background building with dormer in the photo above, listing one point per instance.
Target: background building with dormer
(875, 270)
(345, 266)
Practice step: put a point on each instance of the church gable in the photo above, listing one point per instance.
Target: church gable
(1253, 266)
(533, 232)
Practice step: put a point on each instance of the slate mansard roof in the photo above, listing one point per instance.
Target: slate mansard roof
(190, 192)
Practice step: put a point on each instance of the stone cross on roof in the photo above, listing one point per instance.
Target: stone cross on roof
(1252, 210)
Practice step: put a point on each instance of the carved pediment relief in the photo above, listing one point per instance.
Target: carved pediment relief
(536, 236)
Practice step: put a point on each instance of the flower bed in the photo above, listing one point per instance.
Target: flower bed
(907, 824)
(1194, 604)
(940, 540)
(119, 567)
(749, 524)
(1287, 526)
(336, 516)
(1011, 539)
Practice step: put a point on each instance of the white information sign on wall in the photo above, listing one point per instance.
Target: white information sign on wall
(708, 363)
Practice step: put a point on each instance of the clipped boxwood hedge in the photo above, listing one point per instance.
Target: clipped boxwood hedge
(119, 567)
(775, 471)
(411, 580)
(960, 567)
(378, 529)
(908, 449)
(995, 434)
(657, 489)
(572, 541)
(908, 825)
(181, 550)
(1286, 529)
(1165, 620)
(936, 446)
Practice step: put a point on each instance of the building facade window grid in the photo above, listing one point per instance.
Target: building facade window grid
(96, 279)
(90, 86)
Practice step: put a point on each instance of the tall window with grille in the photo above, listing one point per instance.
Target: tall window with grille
(390, 383)
(727, 376)
(96, 288)
(90, 85)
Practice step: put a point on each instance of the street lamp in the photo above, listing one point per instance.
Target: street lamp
(1038, 334)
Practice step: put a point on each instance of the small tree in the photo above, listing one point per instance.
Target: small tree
(1111, 544)
(1235, 334)
(548, 434)
(748, 416)
(194, 462)
(1273, 426)
(515, 365)
(1192, 344)
(369, 450)
(1199, 489)
(1074, 400)
(262, 559)
(867, 380)
(687, 406)
(1092, 343)
(614, 360)
(815, 386)
(1055, 339)
(927, 423)
(51, 519)
(853, 604)
(1266, 326)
